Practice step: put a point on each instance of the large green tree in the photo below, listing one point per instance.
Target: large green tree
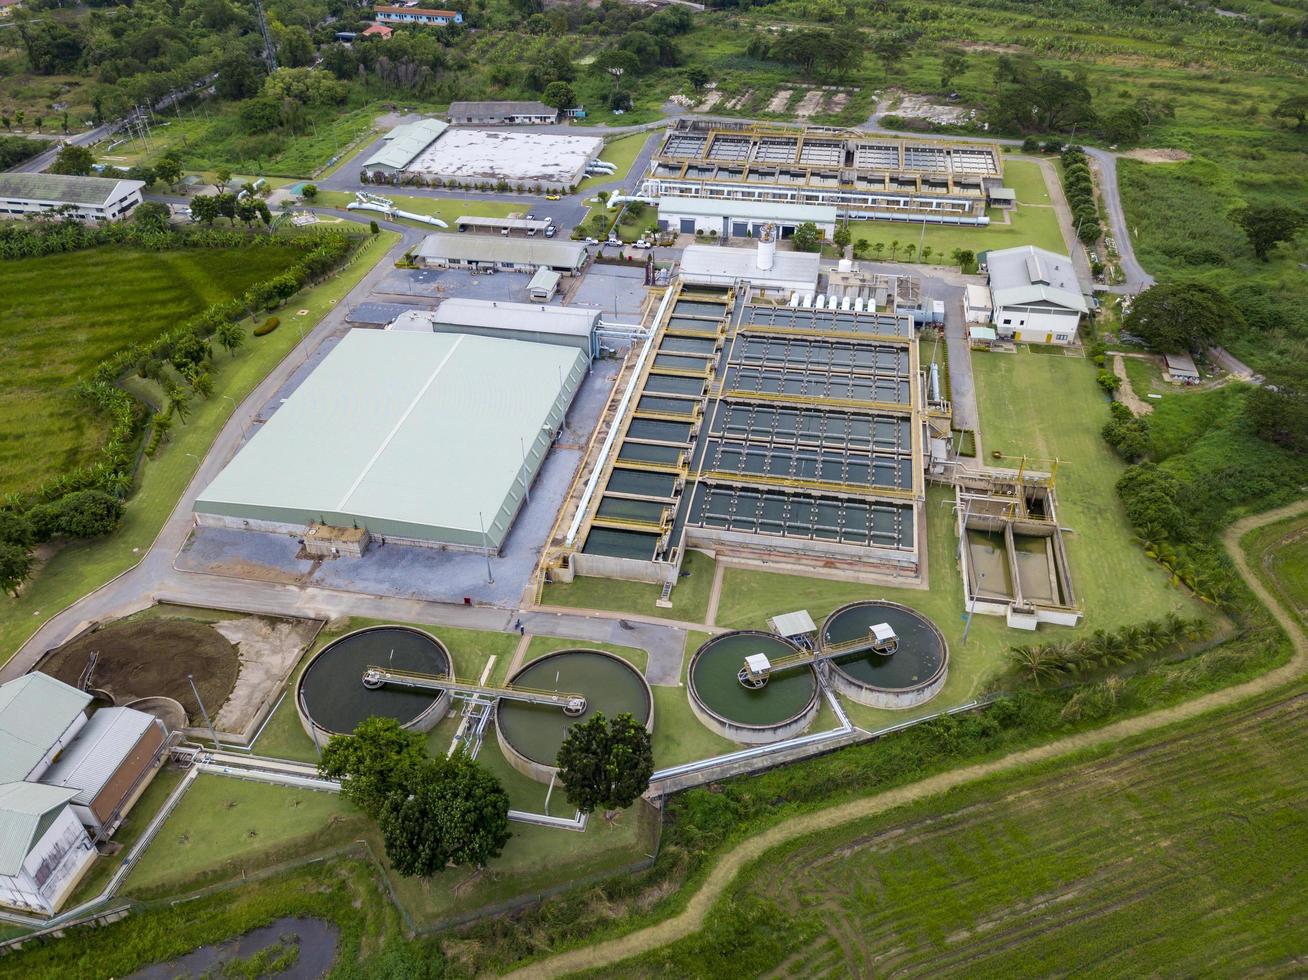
(559, 95)
(15, 564)
(806, 238)
(1267, 225)
(448, 811)
(1183, 316)
(605, 763)
(373, 762)
(73, 160)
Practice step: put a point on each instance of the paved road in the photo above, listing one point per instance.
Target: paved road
(1136, 277)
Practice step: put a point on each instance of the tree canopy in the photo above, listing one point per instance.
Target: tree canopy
(448, 811)
(605, 763)
(806, 238)
(1278, 409)
(73, 160)
(1184, 316)
(1268, 225)
(372, 762)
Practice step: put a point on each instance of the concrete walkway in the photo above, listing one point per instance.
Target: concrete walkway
(603, 955)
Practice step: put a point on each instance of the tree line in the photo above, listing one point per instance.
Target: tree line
(1062, 661)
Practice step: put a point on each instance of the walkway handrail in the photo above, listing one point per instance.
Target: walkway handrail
(447, 682)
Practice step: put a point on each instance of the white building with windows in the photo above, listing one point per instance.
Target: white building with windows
(44, 849)
(87, 198)
(1036, 295)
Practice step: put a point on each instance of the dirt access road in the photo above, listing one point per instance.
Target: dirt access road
(701, 903)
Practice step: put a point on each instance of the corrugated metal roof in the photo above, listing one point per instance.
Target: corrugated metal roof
(796, 623)
(569, 320)
(1027, 274)
(403, 143)
(58, 188)
(501, 109)
(717, 264)
(819, 214)
(35, 710)
(97, 752)
(409, 434)
(22, 806)
(495, 248)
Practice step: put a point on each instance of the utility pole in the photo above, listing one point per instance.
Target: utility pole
(212, 731)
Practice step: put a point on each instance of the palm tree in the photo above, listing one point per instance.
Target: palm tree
(1033, 663)
(910, 250)
(894, 249)
(926, 252)
(879, 249)
(1155, 634)
(1175, 627)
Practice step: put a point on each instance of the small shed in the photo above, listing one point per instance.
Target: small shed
(1181, 368)
(1001, 197)
(544, 284)
(977, 304)
(793, 624)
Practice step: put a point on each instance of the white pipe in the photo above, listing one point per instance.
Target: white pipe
(617, 416)
(395, 213)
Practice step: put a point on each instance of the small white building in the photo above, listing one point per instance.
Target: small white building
(977, 305)
(726, 219)
(44, 849)
(1036, 295)
(769, 272)
(87, 198)
(1181, 369)
(416, 16)
(544, 284)
(502, 114)
(493, 253)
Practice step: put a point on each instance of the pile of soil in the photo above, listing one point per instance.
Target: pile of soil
(151, 657)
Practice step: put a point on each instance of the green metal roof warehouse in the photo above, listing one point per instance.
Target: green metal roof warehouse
(412, 435)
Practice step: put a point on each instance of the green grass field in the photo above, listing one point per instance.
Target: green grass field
(1279, 554)
(1032, 222)
(620, 152)
(1111, 865)
(60, 315)
(225, 827)
(447, 209)
(82, 566)
(689, 599)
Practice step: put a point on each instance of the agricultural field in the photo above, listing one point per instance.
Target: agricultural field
(1028, 873)
(50, 337)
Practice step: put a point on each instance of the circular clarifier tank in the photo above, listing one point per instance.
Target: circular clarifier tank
(530, 734)
(332, 699)
(782, 708)
(915, 672)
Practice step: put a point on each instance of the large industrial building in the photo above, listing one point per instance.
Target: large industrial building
(483, 253)
(765, 432)
(430, 439)
(733, 218)
(768, 272)
(502, 114)
(568, 326)
(1035, 295)
(87, 198)
(861, 175)
(432, 151)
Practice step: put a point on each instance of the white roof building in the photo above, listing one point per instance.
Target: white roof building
(43, 848)
(1036, 295)
(717, 265)
(89, 198)
(498, 252)
(38, 717)
(736, 218)
(404, 143)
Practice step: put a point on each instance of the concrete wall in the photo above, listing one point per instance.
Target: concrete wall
(755, 735)
(627, 569)
(893, 700)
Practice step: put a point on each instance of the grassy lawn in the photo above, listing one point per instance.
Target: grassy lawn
(80, 567)
(1031, 874)
(48, 341)
(1049, 406)
(678, 735)
(447, 209)
(225, 827)
(689, 598)
(127, 834)
(223, 142)
(620, 152)
(541, 645)
(1279, 554)
(1033, 222)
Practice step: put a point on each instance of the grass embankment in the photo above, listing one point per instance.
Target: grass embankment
(1032, 872)
(622, 153)
(80, 567)
(689, 598)
(63, 314)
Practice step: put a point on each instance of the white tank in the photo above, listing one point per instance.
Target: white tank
(821, 303)
(767, 247)
(847, 304)
(845, 265)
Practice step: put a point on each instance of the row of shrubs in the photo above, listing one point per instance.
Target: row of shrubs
(29, 239)
(57, 508)
(485, 186)
(1080, 192)
(1060, 661)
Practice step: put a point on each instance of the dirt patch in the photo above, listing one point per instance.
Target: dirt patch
(810, 104)
(740, 101)
(909, 106)
(996, 48)
(710, 100)
(1158, 156)
(838, 102)
(1126, 394)
(268, 649)
(779, 101)
(144, 658)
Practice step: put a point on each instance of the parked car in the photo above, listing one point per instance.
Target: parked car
(641, 243)
(531, 217)
(592, 241)
(615, 242)
(553, 197)
(550, 231)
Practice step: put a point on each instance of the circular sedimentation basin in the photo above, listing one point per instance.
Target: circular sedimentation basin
(530, 734)
(914, 673)
(331, 695)
(782, 708)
